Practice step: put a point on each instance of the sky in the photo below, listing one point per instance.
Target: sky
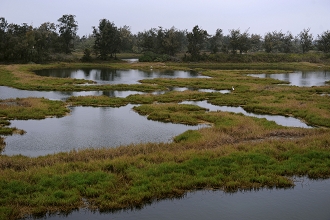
(256, 16)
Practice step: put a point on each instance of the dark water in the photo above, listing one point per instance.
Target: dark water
(12, 93)
(300, 78)
(113, 76)
(280, 120)
(88, 127)
(309, 199)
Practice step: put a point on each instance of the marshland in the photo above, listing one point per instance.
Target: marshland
(215, 149)
(83, 127)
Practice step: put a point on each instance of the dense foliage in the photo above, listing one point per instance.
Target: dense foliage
(48, 42)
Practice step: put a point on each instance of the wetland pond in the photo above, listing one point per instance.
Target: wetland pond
(299, 78)
(309, 199)
(88, 127)
(105, 126)
(114, 76)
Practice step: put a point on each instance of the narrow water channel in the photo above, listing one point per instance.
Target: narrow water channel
(280, 120)
(300, 78)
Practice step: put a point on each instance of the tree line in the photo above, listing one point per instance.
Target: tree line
(24, 43)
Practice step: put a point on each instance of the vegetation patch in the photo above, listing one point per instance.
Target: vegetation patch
(174, 113)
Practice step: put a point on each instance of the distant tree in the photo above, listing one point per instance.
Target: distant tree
(84, 42)
(306, 40)
(196, 39)
(323, 42)
(234, 40)
(172, 41)
(107, 39)
(272, 41)
(215, 41)
(147, 40)
(160, 38)
(225, 44)
(3, 38)
(68, 30)
(255, 42)
(126, 39)
(239, 41)
(20, 42)
(46, 41)
(287, 44)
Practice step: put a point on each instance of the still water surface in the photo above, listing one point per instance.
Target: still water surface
(88, 127)
(280, 120)
(113, 76)
(12, 93)
(309, 199)
(300, 78)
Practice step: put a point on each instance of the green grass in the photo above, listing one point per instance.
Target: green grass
(31, 108)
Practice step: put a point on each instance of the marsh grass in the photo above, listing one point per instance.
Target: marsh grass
(235, 153)
(31, 108)
(174, 113)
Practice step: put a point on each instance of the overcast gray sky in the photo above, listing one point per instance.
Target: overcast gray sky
(261, 16)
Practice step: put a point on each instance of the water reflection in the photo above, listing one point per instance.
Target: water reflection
(131, 60)
(88, 127)
(300, 78)
(12, 93)
(309, 199)
(114, 76)
(181, 89)
(280, 120)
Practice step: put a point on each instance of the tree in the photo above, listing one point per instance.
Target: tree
(239, 41)
(172, 41)
(255, 42)
(46, 41)
(272, 41)
(196, 39)
(306, 40)
(3, 37)
(147, 40)
(68, 30)
(126, 39)
(286, 45)
(87, 56)
(216, 41)
(323, 42)
(20, 42)
(107, 39)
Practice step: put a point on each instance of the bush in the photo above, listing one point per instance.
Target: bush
(153, 57)
(87, 56)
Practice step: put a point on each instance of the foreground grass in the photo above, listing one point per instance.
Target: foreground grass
(107, 179)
